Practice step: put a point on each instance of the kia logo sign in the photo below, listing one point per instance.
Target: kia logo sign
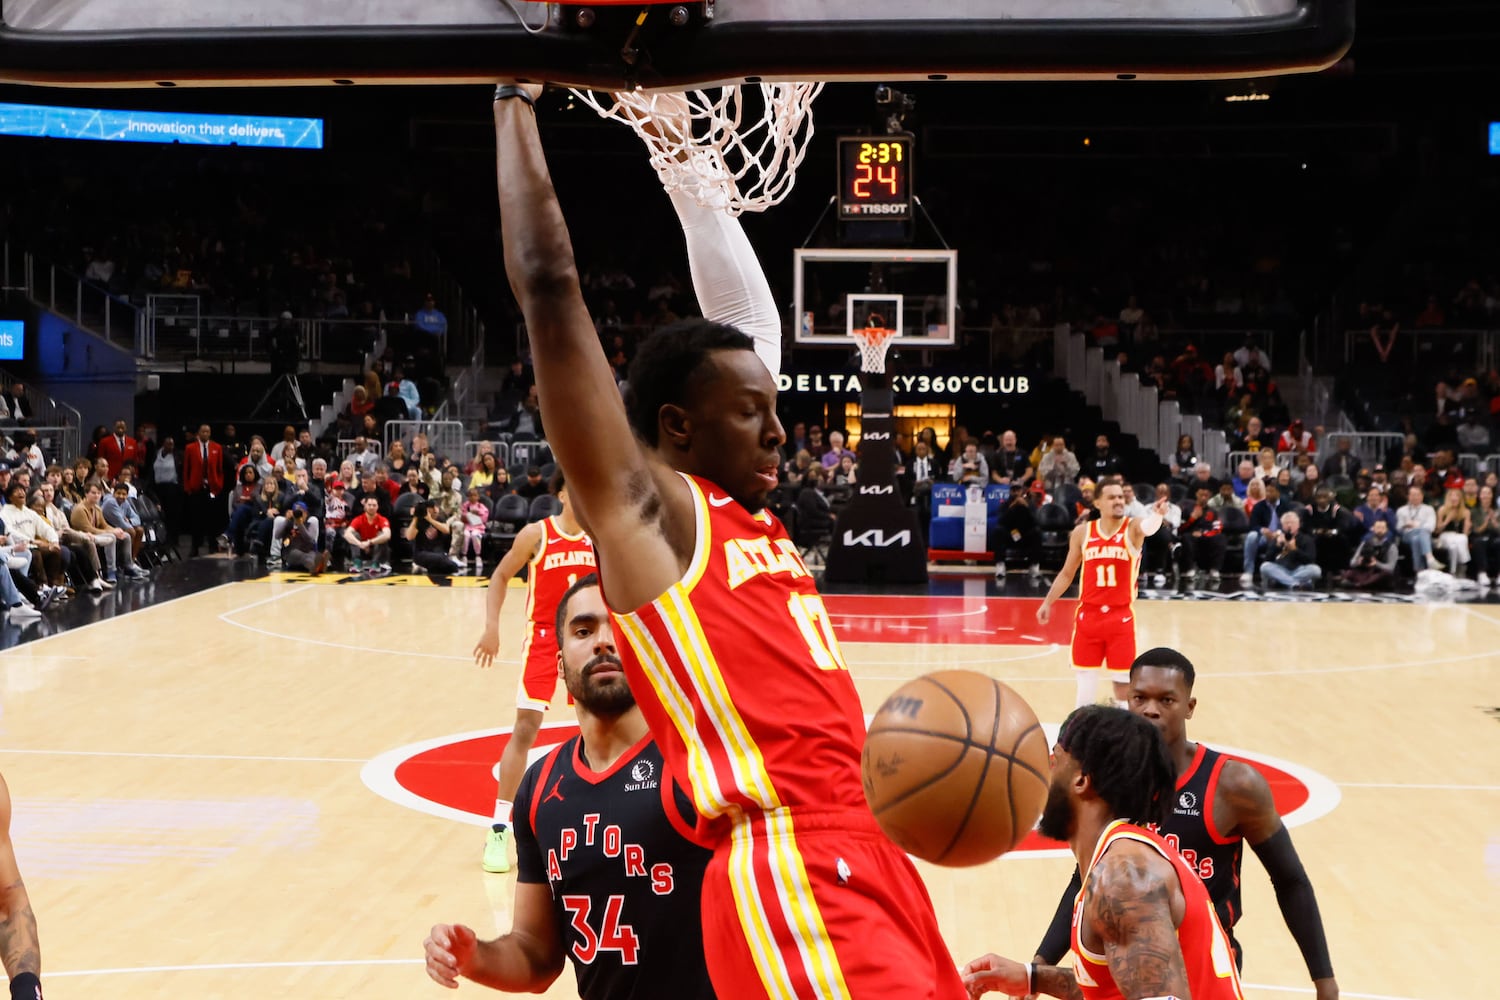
(875, 435)
(877, 490)
(877, 539)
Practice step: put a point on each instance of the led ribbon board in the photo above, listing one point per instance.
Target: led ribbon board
(42, 121)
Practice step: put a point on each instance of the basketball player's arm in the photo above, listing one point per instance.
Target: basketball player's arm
(527, 960)
(1256, 819)
(1129, 905)
(614, 484)
(20, 951)
(1065, 575)
(1150, 524)
(521, 551)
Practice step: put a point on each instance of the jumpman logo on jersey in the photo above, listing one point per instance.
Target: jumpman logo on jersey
(554, 794)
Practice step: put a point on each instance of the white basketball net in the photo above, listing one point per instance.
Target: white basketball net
(719, 148)
(873, 342)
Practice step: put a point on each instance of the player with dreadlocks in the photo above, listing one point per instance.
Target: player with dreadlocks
(1143, 926)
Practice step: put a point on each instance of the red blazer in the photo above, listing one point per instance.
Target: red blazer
(111, 452)
(192, 468)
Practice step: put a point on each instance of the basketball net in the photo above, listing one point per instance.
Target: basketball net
(873, 342)
(715, 147)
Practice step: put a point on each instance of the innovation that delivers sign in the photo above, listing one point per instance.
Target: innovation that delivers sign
(43, 121)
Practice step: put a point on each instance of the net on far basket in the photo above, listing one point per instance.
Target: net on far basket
(735, 148)
(873, 342)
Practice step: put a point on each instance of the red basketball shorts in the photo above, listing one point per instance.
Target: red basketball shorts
(538, 669)
(821, 905)
(1104, 639)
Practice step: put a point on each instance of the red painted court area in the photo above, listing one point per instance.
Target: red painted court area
(974, 621)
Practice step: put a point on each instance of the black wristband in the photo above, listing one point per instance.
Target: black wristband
(506, 91)
(26, 986)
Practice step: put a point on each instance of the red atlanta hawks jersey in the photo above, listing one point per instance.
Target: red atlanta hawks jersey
(1205, 947)
(1109, 567)
(739, 675)
(557, 564)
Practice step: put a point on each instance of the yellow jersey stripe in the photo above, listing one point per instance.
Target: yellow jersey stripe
(745, 760)
(708, 796)
(703, 534)
(775, 977)
(800, 907)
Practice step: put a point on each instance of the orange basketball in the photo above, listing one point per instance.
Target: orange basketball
(955, 768)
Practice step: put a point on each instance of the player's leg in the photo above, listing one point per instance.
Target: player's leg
(1088, 650)
(533, 696)
(1119, 654)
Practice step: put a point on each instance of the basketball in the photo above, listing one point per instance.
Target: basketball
(955, 768)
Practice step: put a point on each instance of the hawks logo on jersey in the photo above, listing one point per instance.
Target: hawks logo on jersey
(1109, 566)
(555, 566)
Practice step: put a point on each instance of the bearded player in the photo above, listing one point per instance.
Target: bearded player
(728, 647)
(1219, 805)
(557, 554)
(1143, 927)
(609, 871)
(1108, 550)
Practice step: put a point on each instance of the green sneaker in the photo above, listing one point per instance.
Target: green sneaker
(497, 850)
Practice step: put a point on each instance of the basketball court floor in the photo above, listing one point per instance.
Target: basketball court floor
(274, 787)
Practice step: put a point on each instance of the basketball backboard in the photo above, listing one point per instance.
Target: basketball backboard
(601, 45)
(914, 292)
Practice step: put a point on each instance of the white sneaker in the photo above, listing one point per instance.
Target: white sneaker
(1214, 575)
(1432, 562)
(96, 585)
(24, 611)
(1158, 579)
(461, 571)
(1247, 579)
(1484, 580)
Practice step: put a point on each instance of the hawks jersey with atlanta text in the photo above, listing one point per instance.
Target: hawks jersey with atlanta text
(1206, 954)
(1190, 831)
(555, 566)
(1109, 567)
(739, 674)
(615, 849)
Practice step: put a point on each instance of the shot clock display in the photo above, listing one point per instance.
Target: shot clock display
(875, 178)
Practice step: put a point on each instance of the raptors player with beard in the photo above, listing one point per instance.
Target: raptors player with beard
(1108, 550)
(1143, 926)
(610, 871)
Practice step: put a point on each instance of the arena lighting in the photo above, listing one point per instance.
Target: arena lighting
(1242, 98)
(40, 121)
(1495, 138)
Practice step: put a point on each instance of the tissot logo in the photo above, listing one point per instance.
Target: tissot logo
(877, 490)
(877, 539)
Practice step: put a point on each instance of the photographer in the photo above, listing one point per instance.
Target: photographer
(1374, 564)
(1294, 556)
(297, 536)
(1336, 529)
(429, 534)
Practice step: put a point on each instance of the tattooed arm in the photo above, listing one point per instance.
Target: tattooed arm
(1132, 906)
(19, 950)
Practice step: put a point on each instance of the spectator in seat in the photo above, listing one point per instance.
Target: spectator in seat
(927, 434)
(1255, 494)
(397, 461)
(1226, 498)
(390, 406)
(1103, 462)
(288, 437)
(1342, 462)
(1161, 548)
(525, 420)
(1336, 529)
(363, 455)
(1296, 438)
(1373, 566)
(298, 537)
(1184, 459)
(429, 319)
(533, 486)
(844, 474)
(408, 391)
(1305, 488)
(816, 446)
(120, 513)
(1265, 518)
(1473, 433)
(1058, 466)
(836, 451)
(1202, 537)
(1451, 535)
(814, 512)
(336, 511)
(794, 471)
(1019, 532)
(114, 544)
(1203, 479)
(369, 539)
(1293, 561)
(1415, 523)
(968, 468)
(85, 559)
(430, 535)
(1265, 465)
(1243, 475)
(1252, 438)
(1010, 465)
(1484, 537)
(14, 407)
(1375, 508)
(47, 557)
(1251, 355)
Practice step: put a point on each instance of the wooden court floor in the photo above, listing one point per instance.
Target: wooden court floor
(274, 788)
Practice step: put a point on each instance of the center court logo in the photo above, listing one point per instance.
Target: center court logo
(454, 777)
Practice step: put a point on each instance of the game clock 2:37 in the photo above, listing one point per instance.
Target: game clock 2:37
(875, 177)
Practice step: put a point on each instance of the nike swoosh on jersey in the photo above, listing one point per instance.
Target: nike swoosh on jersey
(719, 501)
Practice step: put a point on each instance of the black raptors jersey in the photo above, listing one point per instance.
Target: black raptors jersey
(1190, 830)
(616, 850)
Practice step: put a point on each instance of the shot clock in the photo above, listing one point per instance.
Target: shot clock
(875, 178)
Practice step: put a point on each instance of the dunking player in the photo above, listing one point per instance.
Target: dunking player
(1220, 805)
(1142, 927)
(558, 554)
(1109, 551)
(609, 870)
(729, 649)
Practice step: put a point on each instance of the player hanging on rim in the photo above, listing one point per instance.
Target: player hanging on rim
(609, 869)
(731, 288)
(728, 647)
(558, 554)
(1220, 805)
(1142, 926)
(1108, 549)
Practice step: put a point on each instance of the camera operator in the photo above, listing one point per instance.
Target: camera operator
(429, 534)
(297, 536)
